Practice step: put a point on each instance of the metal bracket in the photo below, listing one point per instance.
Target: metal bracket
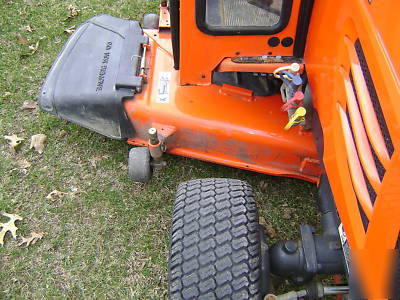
(308, 244)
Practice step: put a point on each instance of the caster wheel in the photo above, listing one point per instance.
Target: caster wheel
(150, 21)
(139, 164)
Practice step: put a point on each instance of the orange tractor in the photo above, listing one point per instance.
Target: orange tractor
(296, 88)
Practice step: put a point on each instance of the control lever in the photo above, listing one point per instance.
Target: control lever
(291, 92)
(293, 68)
(295, 102)
(292, 81)
(296, 118)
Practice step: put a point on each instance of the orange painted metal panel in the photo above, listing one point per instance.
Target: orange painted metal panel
(164, 18)
(212, 124)
(354, 166)
(365, 103)
(227, 65)
(200, 53)
(360, 136)
(230, 126)
(329, 59)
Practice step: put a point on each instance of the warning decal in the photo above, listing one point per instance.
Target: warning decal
(163, 87)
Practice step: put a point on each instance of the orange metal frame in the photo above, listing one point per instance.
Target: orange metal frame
(231, 126)
(201, 53)
(351, 125)
(225, 125)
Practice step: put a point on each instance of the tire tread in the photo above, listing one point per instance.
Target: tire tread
(215, 241)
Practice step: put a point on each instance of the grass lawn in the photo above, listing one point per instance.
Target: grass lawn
(107, 237)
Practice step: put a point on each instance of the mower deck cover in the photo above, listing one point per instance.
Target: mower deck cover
(96, 70)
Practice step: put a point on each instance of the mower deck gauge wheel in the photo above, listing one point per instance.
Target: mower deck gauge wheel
(139, 164)
(150, 21)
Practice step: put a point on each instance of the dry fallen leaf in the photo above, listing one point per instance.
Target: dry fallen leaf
(262, 221)
(57, 194)
(29, 28)
(22, 40)
(268, 227)
(73, 11)
(54, 194)
(35, 236)
(37, 142)
(28, 105)
(7, 94)
(14, 141)
(70, 30)
(34, 47)
(263, 184)
(271, 232)
(9, 227)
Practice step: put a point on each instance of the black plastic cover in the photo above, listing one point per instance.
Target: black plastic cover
(96, 70)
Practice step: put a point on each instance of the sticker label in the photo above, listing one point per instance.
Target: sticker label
(345, 245)
(163, 87)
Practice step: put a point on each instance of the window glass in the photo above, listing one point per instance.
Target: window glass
(231, 14)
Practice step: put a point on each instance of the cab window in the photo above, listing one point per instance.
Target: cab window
(242, 16)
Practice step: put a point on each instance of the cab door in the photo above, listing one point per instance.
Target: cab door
(211, 30)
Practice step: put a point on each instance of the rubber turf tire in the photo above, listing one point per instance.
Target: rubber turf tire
(215, 242)
(139, 164)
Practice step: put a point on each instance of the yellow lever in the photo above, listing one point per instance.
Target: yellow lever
(296, 118)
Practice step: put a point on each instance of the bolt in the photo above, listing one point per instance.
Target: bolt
(295, 67)
(290, 247)
(153, 136)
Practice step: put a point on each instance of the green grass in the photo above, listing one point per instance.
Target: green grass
(111, 239)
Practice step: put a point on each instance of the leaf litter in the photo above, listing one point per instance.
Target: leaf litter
(9, 226)
(38, 142)
(29, 105)
(14, 141)
(70, 30)
(29, 28)
(73, 11)
(35, 236)
(57, 194)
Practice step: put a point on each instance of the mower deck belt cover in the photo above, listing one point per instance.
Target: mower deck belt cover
(95, 71)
